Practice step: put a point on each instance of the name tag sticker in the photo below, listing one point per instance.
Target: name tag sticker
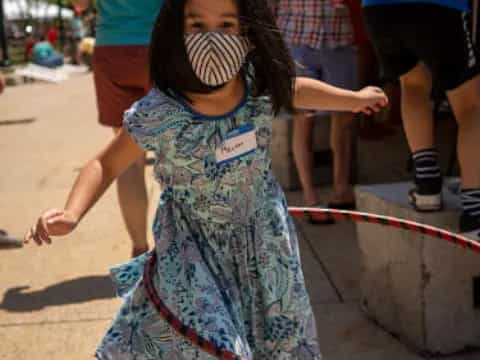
(238, 143)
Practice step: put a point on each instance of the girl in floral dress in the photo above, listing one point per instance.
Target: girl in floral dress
(225, 279)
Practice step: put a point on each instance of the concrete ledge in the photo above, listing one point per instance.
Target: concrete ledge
(414, 286)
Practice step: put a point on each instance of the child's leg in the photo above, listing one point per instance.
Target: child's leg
(455, 64)
(465, 102)
(418, 123)
(409, 49)
(417, 109)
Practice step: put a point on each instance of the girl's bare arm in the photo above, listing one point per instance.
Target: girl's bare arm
(316, 95)
(91, 183)
(100, 172)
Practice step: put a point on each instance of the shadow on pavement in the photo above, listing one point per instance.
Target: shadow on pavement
(74, 291)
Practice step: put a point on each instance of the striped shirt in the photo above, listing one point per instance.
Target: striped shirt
(314, 23)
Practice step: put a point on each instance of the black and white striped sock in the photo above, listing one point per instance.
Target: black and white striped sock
(428, 177)
(471, 202)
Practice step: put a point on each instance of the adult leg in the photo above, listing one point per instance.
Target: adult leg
(133, 200)
(341, 138)
(341, 68)
(120, 77)
(302, 146)
(303, 126)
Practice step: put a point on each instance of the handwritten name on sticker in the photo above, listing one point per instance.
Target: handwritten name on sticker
(238, 143)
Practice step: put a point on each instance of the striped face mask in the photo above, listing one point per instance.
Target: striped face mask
(216, 57)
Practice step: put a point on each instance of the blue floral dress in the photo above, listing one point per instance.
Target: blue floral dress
(227, 266)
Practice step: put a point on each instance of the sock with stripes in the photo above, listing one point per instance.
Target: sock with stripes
(471, 202)
(470, 219)
(428, 177)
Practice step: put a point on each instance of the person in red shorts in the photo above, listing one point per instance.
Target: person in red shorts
(120, 65)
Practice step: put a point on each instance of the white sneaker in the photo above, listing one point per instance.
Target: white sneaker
(425, 202)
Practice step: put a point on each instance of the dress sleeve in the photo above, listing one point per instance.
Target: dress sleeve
(143, 122)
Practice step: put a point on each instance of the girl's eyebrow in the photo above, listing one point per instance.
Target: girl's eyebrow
(232, 15)
(225, 15)
(192, 15)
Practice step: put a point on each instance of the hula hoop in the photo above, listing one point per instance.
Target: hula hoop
(355, 216)
(301, 213)
(180, 328)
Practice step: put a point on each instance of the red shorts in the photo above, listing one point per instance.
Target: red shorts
(121, 76)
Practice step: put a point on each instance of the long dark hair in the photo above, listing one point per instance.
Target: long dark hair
(273, 68)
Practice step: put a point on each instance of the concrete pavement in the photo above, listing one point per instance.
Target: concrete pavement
(56, 302)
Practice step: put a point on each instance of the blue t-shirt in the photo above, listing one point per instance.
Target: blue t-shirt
(126, 22)
(455, 4)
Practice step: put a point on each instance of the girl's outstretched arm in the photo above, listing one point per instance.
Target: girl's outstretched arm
(91, 183)
(313, 94)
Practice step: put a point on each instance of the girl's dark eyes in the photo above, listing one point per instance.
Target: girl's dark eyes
(224, 25)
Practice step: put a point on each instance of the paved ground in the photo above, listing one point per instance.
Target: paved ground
(56, 302)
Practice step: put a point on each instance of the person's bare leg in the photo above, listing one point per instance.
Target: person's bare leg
(341, 136)
(417, 114)
(132, 196)
(465, 102)
(302, 146)
(417, 108)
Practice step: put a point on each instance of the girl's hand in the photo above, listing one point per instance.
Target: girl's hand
(53, 222)
(371, 99)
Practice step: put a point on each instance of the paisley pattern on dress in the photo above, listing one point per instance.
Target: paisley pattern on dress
(228, 262)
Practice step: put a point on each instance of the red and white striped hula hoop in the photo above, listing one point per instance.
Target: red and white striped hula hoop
(302, 213)
(355, 216)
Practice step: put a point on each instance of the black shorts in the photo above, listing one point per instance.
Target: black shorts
(440, 37)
